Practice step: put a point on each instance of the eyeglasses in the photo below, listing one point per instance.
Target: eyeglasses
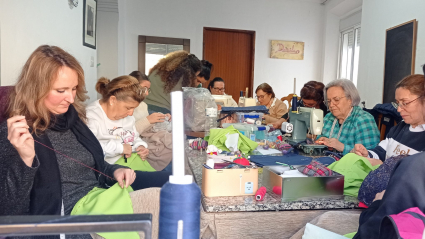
(402, 104)
(219, 89)
(336, 100)
(311, 105)
(260, 96)
(146, 89)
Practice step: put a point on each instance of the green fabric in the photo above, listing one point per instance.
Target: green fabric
(136, 163)
(359, 128)
(355, 168)
(218, 138)
(350, 235)
(100, 201)
(157, 96)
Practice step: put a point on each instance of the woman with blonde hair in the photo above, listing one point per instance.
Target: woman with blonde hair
(176, 70)
(46, 127)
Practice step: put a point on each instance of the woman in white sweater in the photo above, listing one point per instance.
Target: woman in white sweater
(111, 121)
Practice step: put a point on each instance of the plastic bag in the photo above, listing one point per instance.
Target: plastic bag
(166, 125)
(196, 100)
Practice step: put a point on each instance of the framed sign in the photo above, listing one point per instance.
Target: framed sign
(89, 23)
(291, 50)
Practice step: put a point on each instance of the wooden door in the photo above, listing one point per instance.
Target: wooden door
(232, 54)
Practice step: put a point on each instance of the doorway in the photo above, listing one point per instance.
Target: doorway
(232, 54)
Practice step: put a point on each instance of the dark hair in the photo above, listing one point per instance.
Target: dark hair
(139, 76)
(175, 66)
(313, 90)
(413, 83)
(266, 88)
(206, 69)
(212, 83)
(122, 87)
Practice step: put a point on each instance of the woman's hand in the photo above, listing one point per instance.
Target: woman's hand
(374, 162)
(379, 196)
(142, 152)
(360, 150)
(127, 150)
(20, 137)
(124, 174)
(321, 140)
(278, 124)
(156, 118)
(169, 117)
(334, 143)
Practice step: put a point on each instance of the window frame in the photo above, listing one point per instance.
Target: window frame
(341, 49)
(158, 40)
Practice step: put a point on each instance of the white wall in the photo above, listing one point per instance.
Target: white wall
(27, 24)
(272, 20)
(377, 16)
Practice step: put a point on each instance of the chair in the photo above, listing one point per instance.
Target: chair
(289, 99)
(383, 121)
(4, 101)
(56, 224)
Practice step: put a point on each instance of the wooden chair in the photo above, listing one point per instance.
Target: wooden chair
(289, 99)
(382, 127)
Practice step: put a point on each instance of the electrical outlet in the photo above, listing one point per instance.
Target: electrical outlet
(249, 187)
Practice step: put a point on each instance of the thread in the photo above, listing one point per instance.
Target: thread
(261, 192)
(74, 160)
(277, 190)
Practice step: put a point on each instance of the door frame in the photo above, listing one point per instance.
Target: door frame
(159, 40)
(252, 33)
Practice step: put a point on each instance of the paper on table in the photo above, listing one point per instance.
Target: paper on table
(268, 151)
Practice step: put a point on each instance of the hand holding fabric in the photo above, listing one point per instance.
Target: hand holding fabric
(375, 162)
(142, 152)
(334, 143)
(360, 150)
(124, 174)
(21, 139)
(169, 117)
(156, 118)
(127, 150)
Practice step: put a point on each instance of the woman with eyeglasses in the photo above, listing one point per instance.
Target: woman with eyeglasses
(216, 87)
(143, 119)
(265, 96)
(311, 97)
(347, 124)
(406, 138)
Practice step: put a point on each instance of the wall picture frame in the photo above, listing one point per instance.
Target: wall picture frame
(291, 50)
(89, 23)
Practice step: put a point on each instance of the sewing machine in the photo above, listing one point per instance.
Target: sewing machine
(305, 120)
(223, 100)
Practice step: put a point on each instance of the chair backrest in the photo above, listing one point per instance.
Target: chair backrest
(382, 126)
(4, 101)
(289, 99)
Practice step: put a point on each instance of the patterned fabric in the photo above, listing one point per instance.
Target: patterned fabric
(315, 169)
(359, 128)
(377, 180)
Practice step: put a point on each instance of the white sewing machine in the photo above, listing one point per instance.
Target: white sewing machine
(223, 100)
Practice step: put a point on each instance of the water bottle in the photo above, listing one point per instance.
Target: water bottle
(210, 119)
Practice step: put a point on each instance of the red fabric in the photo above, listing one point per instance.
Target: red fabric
(362, 205)
(261, 192)
(408, 225)
(242, 161)
(277, 190)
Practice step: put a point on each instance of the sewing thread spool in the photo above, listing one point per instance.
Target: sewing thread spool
(180, 198)
(294, 98)
(261, 192)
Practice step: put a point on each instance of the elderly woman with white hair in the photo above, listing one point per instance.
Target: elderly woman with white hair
(347, 124)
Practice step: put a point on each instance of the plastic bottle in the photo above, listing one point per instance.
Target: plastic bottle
(241, 100)
(210, 118)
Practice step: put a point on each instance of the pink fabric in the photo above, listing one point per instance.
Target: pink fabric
(408, 225)
(4, 99)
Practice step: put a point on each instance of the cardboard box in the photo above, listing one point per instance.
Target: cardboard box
(304, 188)
(229, 182)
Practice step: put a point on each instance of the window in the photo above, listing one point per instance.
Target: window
(349, 54)
(152, 49)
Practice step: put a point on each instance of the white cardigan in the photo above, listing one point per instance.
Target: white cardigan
(112, 134)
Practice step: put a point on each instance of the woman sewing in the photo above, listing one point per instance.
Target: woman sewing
(346, 124)
(265, 96)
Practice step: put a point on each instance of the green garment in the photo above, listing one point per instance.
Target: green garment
(136, 163)
(218, 138)
(100, 201)
(157, 96)
(355, 168)
(350, 235)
